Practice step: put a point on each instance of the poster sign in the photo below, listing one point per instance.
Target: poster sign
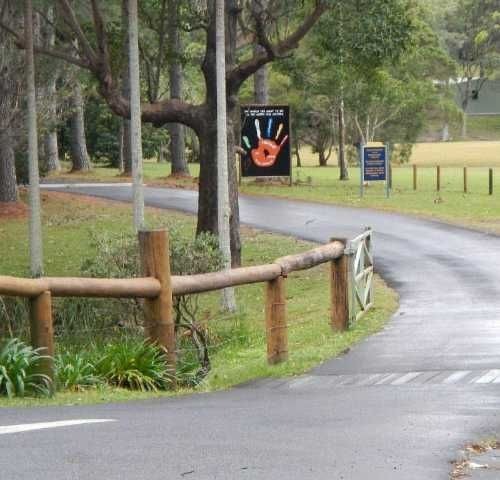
(265, 138)
(374, 164)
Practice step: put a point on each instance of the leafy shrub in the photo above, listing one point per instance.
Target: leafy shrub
(136, 365)
(18, 364)
(76, 371)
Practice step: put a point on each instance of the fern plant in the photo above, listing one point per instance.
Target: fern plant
(75, 371)
(18, 375)
(136, 365)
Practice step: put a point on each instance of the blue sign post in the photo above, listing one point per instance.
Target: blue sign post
(374, 166)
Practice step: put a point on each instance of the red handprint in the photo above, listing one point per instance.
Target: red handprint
(267, 151)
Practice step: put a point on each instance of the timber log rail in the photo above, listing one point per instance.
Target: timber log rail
(351, 287)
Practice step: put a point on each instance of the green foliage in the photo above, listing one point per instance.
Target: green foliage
(75, 371)
(18, 364)
(136, 365)
(197, 255)
(22, 167)
(102, 133)
(367, 33)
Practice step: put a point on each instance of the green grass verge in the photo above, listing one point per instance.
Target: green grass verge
(242, 355)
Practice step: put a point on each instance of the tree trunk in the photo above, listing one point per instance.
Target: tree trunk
(465, 104)
(223, 205)
(322, 158)
(50, 138)
(135, 115)
(79, 156)
(207, 132)
(8, 187)
(207, 199)
(52, 152)
(445, 133)
(126, 159)
(176, 130)
(343, 174)
(260, 82)
(35, 222)
(178, 149)
(121, 146)
(296, 148)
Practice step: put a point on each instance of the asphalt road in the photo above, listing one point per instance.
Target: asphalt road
(400, 405)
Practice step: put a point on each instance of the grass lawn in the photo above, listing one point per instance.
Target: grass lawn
(238, 351)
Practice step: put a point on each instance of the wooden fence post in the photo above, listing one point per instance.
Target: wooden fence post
(438, 178)
(276, 326)
(465, 179)
(158, 314)
(414, 177)
(340, 292)
(42, 331)
(490, 181)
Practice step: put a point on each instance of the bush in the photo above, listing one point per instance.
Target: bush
(76, 371)
(136, 365)
(18, 364)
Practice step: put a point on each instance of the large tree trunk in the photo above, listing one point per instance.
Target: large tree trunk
(343, 174)
(79, 156)
(207, 199)
(35, 222)
(176, 130)
(8, 187)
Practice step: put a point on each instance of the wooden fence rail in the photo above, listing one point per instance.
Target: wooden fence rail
(351, 291)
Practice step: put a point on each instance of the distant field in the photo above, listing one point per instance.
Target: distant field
(478, 154)
(473, 154)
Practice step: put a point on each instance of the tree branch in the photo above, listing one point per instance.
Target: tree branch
(239, 74)
(51, 52)
(70, 18)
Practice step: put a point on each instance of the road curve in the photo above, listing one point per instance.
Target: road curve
(397, 406)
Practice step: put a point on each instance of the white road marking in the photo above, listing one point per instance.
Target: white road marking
(489, 377)
(27, 427)
(84, 185)
(456, 376)
(406, 378)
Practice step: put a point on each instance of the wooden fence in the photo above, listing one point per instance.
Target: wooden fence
(350, 282)
(465, 179)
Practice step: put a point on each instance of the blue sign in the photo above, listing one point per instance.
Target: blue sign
(374, 164)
